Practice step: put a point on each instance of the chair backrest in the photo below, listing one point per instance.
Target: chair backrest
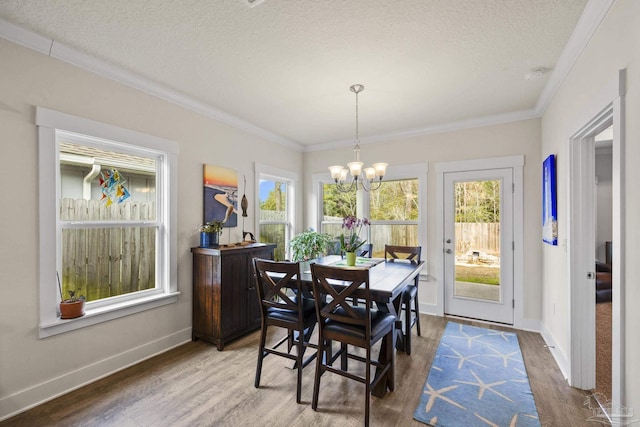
(339, 284)
(395, 252)
(274, 283)
(366, 250)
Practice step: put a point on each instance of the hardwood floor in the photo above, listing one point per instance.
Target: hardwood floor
(196, 385)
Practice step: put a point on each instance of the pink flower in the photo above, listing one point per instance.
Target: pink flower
(352, 242)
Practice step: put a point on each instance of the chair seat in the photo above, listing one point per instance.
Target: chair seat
(380, 324)
(410, 292)
(282, 314)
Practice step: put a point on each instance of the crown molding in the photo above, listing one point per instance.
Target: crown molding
(591, 18)
(16, 34)
(593, 14)
(57, 50)
(496, 119)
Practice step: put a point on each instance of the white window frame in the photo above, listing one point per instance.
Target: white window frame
(265, 172)
(395, 172)
(50, 123)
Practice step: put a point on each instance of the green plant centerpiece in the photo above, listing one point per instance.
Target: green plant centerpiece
(210, 232)
(309, 245)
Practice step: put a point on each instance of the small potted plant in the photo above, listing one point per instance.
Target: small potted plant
(309, 245)
(210, 233)
(73, 306)
(351, 242)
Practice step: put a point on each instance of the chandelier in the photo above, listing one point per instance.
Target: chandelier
(372, 178)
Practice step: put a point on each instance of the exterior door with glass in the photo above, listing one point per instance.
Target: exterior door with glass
(478, 244)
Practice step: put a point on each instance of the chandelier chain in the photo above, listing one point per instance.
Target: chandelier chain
(357, 121)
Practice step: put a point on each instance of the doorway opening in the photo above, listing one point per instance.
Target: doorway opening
(583, 253)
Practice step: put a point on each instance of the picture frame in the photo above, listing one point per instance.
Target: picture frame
(220, 190)
(549, 202)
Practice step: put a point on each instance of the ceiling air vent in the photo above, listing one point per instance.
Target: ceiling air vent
(253, 3)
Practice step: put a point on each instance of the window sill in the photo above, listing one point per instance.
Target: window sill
(104, 314)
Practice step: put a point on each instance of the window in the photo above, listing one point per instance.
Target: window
(393, 209)
(276, 207)
(105, 220)
(394, 213)
(335, 206)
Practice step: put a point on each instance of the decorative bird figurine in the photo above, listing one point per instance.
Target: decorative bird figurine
(228, 213)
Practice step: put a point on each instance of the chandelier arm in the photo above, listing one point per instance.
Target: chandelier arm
(341, 187)
(378, 185)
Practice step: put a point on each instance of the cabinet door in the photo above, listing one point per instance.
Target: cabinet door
(234, 292)
(205, 295)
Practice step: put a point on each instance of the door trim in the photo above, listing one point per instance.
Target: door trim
(517, 164)
(582, 336)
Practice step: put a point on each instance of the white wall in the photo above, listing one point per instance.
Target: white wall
(517, 138)
(32, 369)
(604, 200)
(588, 89)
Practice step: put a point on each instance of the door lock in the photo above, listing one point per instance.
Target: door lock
(448, 240)
(448, 251)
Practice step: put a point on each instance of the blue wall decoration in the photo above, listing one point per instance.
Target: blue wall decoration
(549, 201)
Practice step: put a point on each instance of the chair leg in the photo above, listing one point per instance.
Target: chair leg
(367, 391)
(316, 381)
(300, 354)
(367, 404)
(263, 340)
(407, 326)
(391, 352)
(344, 357)
(417, 308)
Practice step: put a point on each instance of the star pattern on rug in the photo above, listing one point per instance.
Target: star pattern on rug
(462, 358)
(513, 423)
(477, 378)
(439, 394)
(506, 357)
(482, 386)
(470, 338)
(503, 334)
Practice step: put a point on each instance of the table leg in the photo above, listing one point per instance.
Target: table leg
(387, 352)
(393, 307)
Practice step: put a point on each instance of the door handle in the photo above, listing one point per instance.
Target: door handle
(448, 240)
(448, 251)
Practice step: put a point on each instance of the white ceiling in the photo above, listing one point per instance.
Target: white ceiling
(284, 67)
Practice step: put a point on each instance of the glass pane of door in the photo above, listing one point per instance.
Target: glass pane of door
(477, 239)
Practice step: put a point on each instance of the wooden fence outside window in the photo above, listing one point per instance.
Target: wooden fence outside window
(107, 261)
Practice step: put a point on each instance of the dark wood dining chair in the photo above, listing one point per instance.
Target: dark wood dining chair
(283, 305)
(409, 301)
(365, 250)
(339, 320)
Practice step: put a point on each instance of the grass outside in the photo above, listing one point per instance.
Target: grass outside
(478, 274)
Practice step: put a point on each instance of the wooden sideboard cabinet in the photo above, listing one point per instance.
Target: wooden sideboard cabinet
(225, 300)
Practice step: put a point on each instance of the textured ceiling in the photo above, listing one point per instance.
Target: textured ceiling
(285, 66)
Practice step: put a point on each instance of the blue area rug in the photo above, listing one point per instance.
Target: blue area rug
(477, 378)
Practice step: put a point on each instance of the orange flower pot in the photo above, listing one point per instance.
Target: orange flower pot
(71, 309)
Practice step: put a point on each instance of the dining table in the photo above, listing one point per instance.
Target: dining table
(387, 281)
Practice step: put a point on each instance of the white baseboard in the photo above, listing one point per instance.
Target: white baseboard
(556, 352)
(531, 325)
(431, 309)
(33, 396)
